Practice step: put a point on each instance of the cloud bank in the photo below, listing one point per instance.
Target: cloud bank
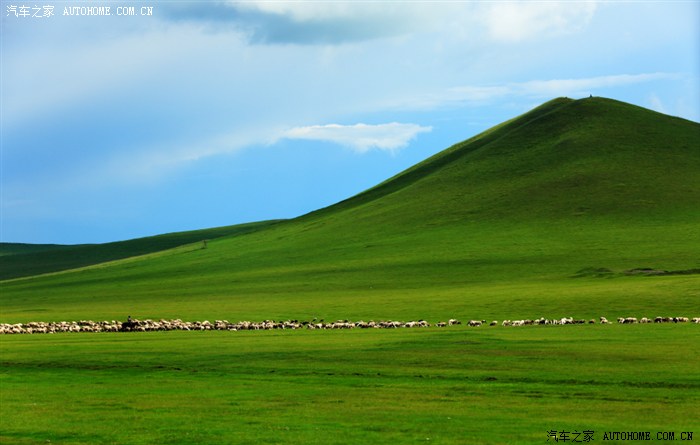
(339, 22)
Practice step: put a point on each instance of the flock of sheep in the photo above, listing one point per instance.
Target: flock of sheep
(39, 327)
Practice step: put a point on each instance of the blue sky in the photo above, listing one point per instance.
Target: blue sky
(206, 114)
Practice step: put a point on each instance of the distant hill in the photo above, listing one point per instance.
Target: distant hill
(20, 260)
(500, 222)
(20, 248)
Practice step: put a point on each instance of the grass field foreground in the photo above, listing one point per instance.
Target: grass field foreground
(456, 385)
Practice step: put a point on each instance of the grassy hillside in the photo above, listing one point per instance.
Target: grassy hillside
(494, 227)
(21, 260)
(592, 157)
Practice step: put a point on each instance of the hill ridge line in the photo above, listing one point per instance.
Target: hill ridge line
(417, 172)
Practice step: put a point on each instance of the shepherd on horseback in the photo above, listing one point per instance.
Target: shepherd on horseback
(128, 325)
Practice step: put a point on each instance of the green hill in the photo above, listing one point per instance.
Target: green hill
(497, 226)
(22, 260)
(593, 156)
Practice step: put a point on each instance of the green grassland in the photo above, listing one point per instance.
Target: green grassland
(494, 227)
(450, 386)
(508, 224)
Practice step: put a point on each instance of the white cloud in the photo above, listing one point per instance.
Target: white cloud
(518, 21)
(361, 137)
